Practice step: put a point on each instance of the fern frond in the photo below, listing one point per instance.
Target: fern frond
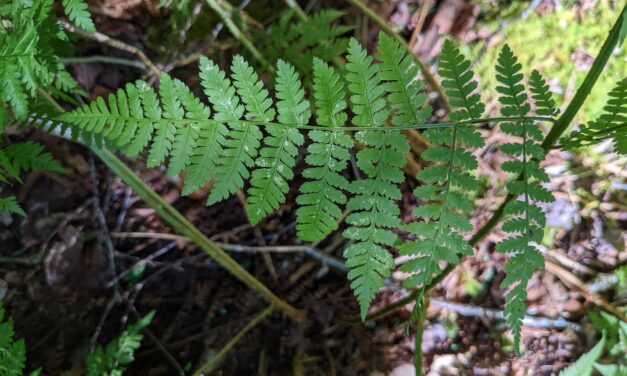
(269, 182)
(25, 156)
(76, 11)
(585, 364)
(612, 124)
(299, 43)
(9, 204)
(12, 352)
(526, 219)
(327, 157)
(446, 184)
(120, 352)
(374, 212)
(27, 58)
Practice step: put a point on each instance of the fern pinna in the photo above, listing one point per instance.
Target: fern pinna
(243, 136)
(447, 183)
(526, 219)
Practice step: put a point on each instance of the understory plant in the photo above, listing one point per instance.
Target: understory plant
(247, 139)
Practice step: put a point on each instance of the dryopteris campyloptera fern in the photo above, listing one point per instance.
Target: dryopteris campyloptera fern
(238, 138)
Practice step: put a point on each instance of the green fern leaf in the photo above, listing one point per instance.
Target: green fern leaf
(327, 157)
(612, 124)
(30, 156)
(76, 11)
(374, 212)
(12, 352)
(186, 136)
(27, 58)
(112, 359)
(585, 364)
(299, 43)
(10, 205)
(545, 105)
(242, 149)
(400, 73)
(447, 183)
(269, 182)
(459, 84)
(166, 130)
(206, 157)
(526, 220)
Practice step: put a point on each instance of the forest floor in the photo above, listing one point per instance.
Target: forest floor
(60, 290)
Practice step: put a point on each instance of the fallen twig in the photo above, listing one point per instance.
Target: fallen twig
(154, 71)
(206, 368)
(571, 280)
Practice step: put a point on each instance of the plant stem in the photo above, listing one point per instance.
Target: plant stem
(383, 24)
(211, 364)
(103, 59)
(213, 122)
(297, 9)
(175, 219)
(560, 126)
(107, 40)
(227, 19)
(584, 90)
(420, 328)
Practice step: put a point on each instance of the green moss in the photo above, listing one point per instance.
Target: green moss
(550, 43)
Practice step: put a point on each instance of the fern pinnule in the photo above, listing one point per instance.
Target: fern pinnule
(525, 219)
(545, 105)
(446, 185)
(374, 211)
(269, 182)
(327, 157)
